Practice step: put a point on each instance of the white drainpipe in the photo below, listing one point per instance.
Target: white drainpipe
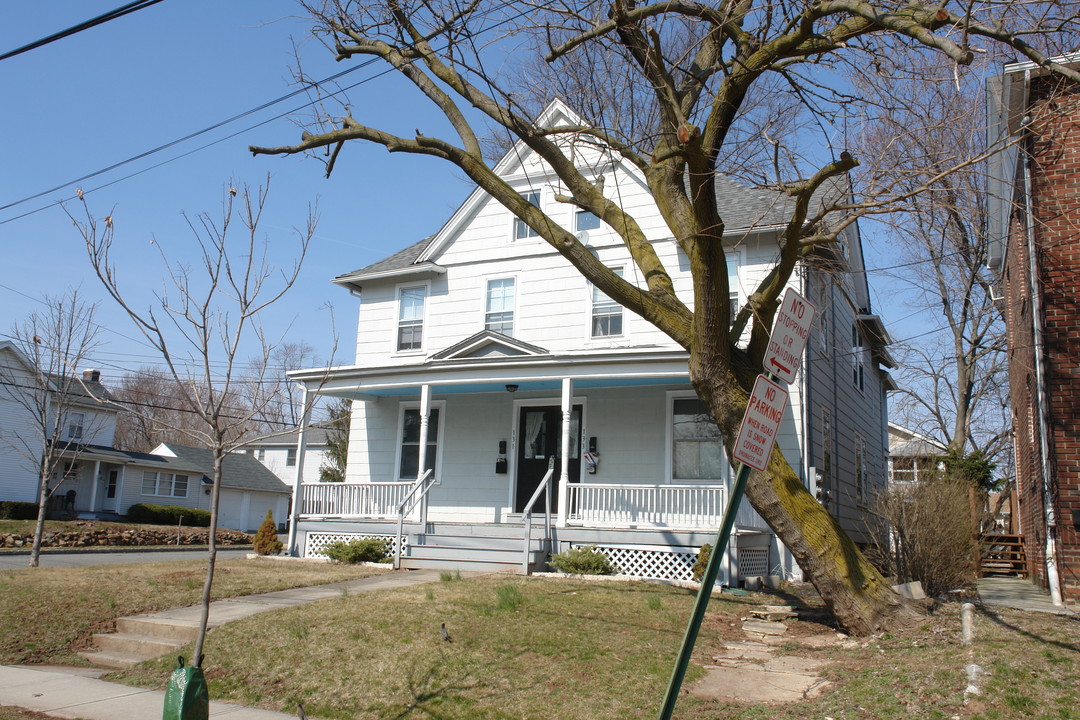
(1049, 519)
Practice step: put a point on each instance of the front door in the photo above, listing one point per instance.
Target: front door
(539, 438)
(112, 481)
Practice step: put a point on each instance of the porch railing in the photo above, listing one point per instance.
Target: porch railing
(417, 492)
(674, 506)
(526, 518)
(353, 500)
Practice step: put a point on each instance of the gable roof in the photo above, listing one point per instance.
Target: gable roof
(239, 471)
(81, 390)
(403, 262)
(488, 343)
(315, 434)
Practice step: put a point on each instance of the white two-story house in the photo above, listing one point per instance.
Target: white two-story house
(485, 358)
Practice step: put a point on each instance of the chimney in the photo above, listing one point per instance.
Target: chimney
(91, 375)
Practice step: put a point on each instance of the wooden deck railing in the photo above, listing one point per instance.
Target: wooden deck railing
(353, 500)
(673, 506)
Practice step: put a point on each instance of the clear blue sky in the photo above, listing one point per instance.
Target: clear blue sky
(86, 102)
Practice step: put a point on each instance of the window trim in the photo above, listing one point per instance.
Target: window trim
(76, 429)
(669, 445)
(858, 357)
(516, 222)
(590, 292)
(861, 475)
(290, 457)
(440, 437)
(514, 303)
(423, 323)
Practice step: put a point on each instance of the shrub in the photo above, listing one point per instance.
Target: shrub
(12, 510)
(266, 540)
(584, 560)
(358, 550)
(702, 561)
(168, 515)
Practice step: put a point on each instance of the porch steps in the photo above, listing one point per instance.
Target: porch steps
(467, 548)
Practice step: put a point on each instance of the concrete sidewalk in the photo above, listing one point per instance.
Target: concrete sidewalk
(78, 693)
(1018, 594)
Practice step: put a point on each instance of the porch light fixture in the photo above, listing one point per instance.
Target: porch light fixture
(511, 387)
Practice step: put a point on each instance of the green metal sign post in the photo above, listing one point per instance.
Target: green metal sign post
(707, 581)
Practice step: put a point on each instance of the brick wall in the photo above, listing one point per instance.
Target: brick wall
(1055, 152)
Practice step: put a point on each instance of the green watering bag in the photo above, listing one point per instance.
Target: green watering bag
(186, 697)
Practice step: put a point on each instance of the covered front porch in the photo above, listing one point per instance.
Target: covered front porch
(568, 451)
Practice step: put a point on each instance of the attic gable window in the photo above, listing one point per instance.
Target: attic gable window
(521, 229)
(499, 306)
(410, 335)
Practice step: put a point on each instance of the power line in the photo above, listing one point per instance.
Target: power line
(85, 25)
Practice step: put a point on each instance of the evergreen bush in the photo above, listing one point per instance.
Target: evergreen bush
(168, 515)
(13, 510)
(358, 550)
(266, 540)
(584, 560)
(702, 562)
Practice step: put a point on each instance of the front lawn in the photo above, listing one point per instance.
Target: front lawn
(46, 614)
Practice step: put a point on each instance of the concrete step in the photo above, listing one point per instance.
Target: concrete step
(481, 542)
(141, 646)
(418, 563)
(109, 660)
(500, 555)
(157, 628)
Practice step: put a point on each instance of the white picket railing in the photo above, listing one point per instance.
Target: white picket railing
(672, 506)
(353, 500)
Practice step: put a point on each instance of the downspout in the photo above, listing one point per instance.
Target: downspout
(1049, 519)
(298, 480)
(805, 391)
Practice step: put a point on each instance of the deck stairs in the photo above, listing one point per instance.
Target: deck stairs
(1002, 555)
(485, 548)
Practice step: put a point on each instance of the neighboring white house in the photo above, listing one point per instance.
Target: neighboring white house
(100, 481)
(912, 456)
(279, 453)
(481, 353)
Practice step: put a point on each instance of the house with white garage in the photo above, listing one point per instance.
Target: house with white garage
(503, 408)
(279, 452)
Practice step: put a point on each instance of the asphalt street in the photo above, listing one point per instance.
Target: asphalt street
(84, 558)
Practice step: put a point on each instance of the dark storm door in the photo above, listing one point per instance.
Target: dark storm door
(540, 438)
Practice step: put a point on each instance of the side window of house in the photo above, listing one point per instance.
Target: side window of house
(585, 220)
(410, 334)
(75, 425)
(733, 284)
(823, 318)
(521, 230)
(409, 464)
(826, 450)
(260, 454)
(856, 357)
(697, 447)
(499, 306)
(607, 315)
(290, 457)
(860, 468)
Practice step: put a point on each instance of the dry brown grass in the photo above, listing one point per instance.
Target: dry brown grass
(8, 712)
(46, 614)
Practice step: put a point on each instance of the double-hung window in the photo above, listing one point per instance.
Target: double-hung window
(499, 306)
(857, 360)
(164, 484)
(607, 315)
(585, 220)
(410, 334)
(521, 229)
(409, 454)
(75, 425)
(861, 491)
(290, 457)
(697, 447)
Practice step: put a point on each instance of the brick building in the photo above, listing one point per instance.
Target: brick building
(1033, 198)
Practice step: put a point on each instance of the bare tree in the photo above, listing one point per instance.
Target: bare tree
(203, 322)
(333, 468)
(283, 409)
(663, 87)
(152, 412)
(57, 413)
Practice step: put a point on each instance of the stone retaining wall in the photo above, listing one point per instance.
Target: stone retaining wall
(131, 537)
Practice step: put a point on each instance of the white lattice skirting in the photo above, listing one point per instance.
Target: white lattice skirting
(317, 541)
(667, 564)
(753, 561)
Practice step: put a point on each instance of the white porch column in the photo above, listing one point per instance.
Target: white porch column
(120, 509)
(425, 413)
(564, 445)
(301, 449)
(94, 484)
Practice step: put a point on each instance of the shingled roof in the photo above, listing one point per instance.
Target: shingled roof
(239, 471)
